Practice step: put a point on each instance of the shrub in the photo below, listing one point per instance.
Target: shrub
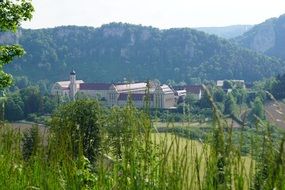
(80, 122)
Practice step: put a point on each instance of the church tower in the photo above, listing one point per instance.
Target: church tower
(72, 85)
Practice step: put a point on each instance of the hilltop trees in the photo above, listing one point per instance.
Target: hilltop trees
(175, 54)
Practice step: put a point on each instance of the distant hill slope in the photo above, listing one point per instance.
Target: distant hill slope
(116, 51)
(226, 31)
(267, 37)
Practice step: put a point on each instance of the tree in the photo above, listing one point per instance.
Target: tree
(227, 85)
(32, 100)
(43, 87)
(219, 95)
(76, 126)
(240, 95)
(49, 104)
(230, 105)
(12, 13)
(257, 110)
(14, 108)
(204, 102)
(30, 142)
(278, 87)
(21, 82)
(190, 99)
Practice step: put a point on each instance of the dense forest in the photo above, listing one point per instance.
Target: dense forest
(116, 51)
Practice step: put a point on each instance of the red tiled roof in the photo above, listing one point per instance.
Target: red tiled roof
(194, 89)
(134, 97)
(95, 86)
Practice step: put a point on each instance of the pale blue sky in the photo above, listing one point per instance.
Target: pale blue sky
(157, 13)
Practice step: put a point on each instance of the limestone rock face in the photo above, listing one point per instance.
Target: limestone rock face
(264, 38)
(267, 37)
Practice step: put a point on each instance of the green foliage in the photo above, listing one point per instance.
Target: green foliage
(190, 99)
(265, 84)
(278, 88)
(258, 108)
(119, 129)
(227, 85)
(82, 119)
(146, 160)
(30, 140)
(14, 108)
(21, 82)
(219, 95)
(32, 100)
(28, 103)
(108, 54)
(240, 95)
(7, 53)
(257, 112)
(269, 159)
(230, 105)
(11, 14)
(204, 102)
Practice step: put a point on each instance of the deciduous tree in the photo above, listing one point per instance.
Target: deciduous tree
(230, 105)
(12, 13)
(80, 122)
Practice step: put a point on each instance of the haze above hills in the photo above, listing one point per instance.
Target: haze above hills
(227, 32)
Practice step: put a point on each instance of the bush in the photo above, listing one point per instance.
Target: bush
(30, 141)
(80, 122)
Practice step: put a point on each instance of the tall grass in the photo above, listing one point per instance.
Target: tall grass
(132, 155)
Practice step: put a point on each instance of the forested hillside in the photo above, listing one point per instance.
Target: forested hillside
(116, 51)
(267, 37)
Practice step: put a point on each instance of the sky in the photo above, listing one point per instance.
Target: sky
(157, 13)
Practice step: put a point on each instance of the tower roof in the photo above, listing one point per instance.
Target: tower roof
(72, 72)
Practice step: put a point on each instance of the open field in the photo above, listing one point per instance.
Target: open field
(195, 154)
(25, 127)
(275, 113)
(178, 143)
(179, 124)
(164, 125)
(21, 127)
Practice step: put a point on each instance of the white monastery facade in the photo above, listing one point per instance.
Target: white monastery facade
(158, 96)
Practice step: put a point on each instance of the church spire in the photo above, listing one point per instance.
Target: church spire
(72, 85)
